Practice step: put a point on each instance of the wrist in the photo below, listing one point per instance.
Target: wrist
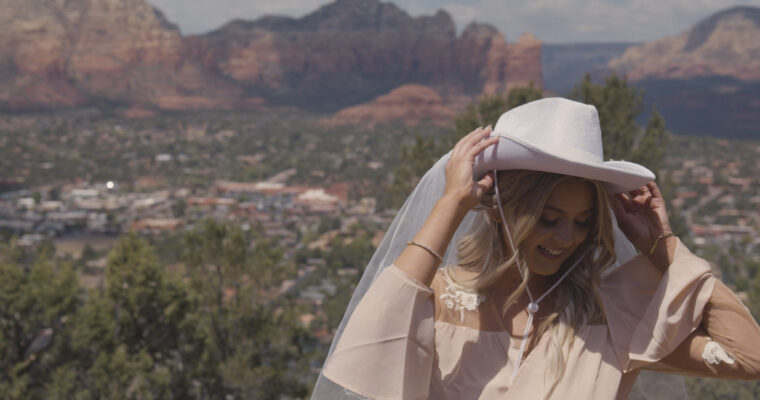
(453, 204)
(665, 235)
(663, 254)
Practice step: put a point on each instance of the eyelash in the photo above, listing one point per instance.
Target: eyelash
(549, 223)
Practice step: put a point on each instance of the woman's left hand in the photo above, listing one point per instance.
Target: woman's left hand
(642, 216)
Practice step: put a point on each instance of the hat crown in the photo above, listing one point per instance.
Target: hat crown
(555, 122)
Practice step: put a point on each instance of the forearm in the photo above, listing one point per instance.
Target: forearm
(436, 233)
(727, 323)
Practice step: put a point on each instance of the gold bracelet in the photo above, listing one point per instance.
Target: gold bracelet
(429, 250)
(657, 240)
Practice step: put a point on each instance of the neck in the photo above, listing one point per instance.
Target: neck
(511, 279)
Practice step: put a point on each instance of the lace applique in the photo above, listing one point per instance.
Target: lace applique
(460, 299)
(715, 354)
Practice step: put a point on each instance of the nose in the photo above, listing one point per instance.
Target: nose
(564, 234)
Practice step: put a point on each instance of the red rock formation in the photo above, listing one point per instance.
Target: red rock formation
(726, 44)
(57, 53)
(524, 62)
(78, 52)
(410, 104)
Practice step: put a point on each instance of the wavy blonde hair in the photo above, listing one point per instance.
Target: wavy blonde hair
(576, 300)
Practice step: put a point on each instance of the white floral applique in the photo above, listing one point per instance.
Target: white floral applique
(460, 299)
(715, 354)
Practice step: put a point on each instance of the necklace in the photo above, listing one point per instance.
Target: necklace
(533, 304)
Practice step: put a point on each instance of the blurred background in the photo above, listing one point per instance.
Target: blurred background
(189, 190)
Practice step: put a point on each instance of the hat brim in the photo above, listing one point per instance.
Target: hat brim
(512, 153)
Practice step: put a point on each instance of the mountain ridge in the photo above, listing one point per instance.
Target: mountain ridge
(126, 53)
(726, 43)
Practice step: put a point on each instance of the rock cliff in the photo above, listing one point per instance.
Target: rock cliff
(99, 52)
(67, 53)
(725, 44)
(409, 104)
(350, 51)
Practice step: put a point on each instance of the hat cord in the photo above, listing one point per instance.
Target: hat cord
(533, 305)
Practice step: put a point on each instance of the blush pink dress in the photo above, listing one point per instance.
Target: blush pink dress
(406, 340)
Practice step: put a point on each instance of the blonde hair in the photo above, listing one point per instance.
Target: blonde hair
(576, 300)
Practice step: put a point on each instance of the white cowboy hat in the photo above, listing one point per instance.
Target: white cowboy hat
(560, 136)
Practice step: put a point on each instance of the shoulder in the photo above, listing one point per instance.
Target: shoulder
(450, 278)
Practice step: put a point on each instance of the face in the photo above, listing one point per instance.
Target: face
(563, 225)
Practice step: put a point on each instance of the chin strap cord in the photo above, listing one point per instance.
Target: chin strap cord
(533, 305)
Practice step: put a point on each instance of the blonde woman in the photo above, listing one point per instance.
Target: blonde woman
(523, 266)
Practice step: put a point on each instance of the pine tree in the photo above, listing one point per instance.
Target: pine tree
(618, 105)
(137, 338)
(36, 301)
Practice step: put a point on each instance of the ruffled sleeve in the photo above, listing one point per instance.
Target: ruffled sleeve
(650, 313)
(387, 347)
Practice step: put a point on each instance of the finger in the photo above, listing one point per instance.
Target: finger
(626, 202)
(463, 142)
(485, 183)
(639, 192)
(467, 148)
(480, 146)
(654, 189)
(472, 136)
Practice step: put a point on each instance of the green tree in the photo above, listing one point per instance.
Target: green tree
(521, 95)
(137, 338)
(618, 105)
(258, 353)
(35, 303)
(178, 208)
(651, 147)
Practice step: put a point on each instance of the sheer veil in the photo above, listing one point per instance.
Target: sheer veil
(407, 223)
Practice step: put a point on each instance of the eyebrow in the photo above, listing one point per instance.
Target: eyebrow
(563, 211)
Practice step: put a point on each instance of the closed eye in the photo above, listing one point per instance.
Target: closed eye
(548, 222)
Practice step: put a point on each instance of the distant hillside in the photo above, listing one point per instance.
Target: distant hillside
(707, 106)
(706, 80)
(125, 53)
(565, 64)
(724, 44)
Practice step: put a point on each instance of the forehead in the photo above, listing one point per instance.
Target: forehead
(571, 197)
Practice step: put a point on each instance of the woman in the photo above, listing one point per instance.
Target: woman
(525, 307)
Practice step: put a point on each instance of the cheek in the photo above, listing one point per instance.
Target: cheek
(540, 233)
(580, 235)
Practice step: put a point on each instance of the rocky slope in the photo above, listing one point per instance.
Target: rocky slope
(99, 52)
(350, 51)
(409, 104)
(725, 44)
(67, 53)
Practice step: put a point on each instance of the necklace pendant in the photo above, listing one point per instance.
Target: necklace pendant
(532, 308)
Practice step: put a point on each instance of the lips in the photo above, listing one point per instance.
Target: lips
(554, 254)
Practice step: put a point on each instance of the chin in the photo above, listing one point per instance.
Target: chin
(539, 265)
(544, 271)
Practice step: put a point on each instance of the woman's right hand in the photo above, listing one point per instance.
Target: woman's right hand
(459, 181)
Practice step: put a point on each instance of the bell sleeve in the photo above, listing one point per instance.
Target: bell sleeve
(387, 347)
(725, 345)
(649, 313)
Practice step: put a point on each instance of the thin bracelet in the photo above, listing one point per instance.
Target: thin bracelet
(429, 250)
(657, 240)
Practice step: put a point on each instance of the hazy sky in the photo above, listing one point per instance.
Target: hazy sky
(553, 21)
